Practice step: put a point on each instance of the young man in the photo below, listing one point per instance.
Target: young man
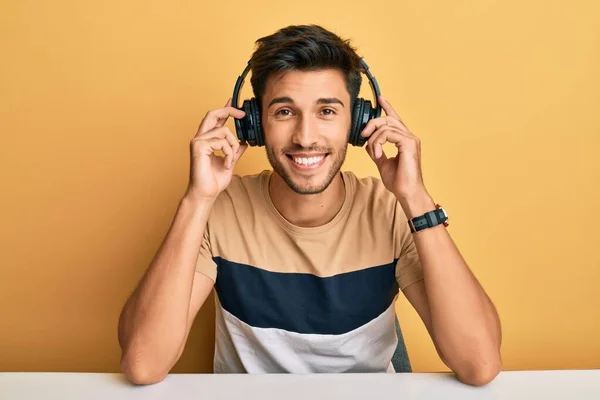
(306, 260)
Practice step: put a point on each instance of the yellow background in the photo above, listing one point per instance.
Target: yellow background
(98, 102)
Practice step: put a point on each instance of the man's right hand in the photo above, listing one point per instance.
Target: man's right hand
(210, 174)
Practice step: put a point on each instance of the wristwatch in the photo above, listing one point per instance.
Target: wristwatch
(429, 219)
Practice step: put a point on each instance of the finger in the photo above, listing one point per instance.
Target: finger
(385, 135)
(233, 142)
(390, 135)
(223, 114)
(375, 146)
(387, 107)
(376, 153)
(377, 123)
(223, 133)
(225, 147)
(373, 125)
(240, 151)
(217, 118)
(371, 142)
(402, 141)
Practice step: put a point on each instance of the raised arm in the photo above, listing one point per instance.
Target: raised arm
(459, 315)
(156, 319)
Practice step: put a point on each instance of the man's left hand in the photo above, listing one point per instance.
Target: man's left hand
(401, 174)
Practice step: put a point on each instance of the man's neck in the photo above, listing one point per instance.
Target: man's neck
(307, 210)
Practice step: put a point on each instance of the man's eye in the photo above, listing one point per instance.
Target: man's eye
(283, 112)
(328, 111)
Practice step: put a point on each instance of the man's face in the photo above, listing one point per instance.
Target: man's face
(306, 119)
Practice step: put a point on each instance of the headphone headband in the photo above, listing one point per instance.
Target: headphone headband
(239, 84)
(374, 87)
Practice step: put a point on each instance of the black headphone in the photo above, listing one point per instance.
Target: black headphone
(249, 129)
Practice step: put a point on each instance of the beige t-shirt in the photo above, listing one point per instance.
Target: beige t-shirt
(296, 299)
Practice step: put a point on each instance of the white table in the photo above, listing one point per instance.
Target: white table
(577, 385)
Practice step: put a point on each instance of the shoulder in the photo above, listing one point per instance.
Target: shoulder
(372, 197)
(240, 196)
(244, 185)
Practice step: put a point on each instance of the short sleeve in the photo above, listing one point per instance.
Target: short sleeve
(205, 263)
(408, 265)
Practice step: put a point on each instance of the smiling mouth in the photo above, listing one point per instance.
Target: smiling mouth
(307, 161)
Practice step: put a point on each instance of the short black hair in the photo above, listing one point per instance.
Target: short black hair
(304, 48)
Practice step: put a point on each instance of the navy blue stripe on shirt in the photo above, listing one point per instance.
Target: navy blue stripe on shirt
(305, 303)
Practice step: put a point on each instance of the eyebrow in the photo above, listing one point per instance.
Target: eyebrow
(322, 100)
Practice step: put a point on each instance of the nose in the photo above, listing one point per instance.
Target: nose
(305, 132)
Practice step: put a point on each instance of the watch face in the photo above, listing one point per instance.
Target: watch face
(445, 216)
(443, 211)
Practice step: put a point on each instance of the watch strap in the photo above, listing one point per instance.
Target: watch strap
(429, 219)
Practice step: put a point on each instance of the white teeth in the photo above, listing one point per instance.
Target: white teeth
(308, 160)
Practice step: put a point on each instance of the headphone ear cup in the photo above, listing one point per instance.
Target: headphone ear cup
(249, 128)
(239, 125)
(259, 137)
(364, 115)
(357, 123)
(247, 125)
(355, 127)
